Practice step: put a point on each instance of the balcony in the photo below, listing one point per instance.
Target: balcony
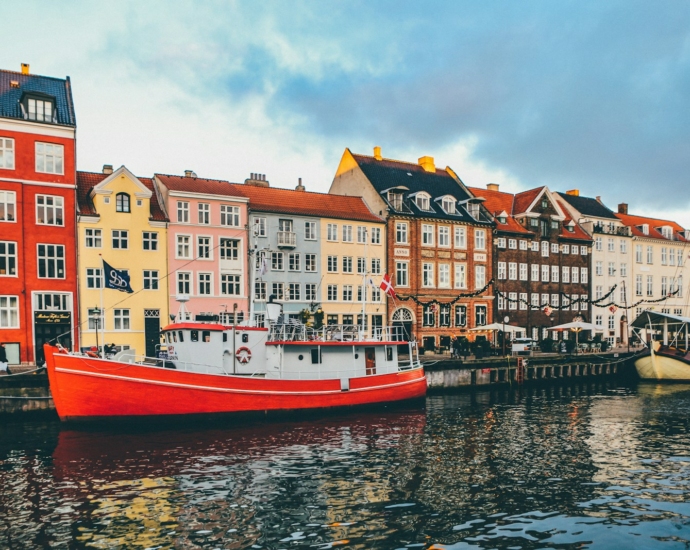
(623, 231)
(287, 239)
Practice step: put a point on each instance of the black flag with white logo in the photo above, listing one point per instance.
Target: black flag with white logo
(116, 279)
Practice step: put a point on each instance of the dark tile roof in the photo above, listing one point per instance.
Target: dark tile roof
(86, 181)
(306, 203)
(60, 89)
(588, 206)
(386, 174)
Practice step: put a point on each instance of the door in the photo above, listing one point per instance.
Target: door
(152, 329)
(52, 333)
(370, 360)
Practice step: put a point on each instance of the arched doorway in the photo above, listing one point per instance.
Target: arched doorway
(403, 317)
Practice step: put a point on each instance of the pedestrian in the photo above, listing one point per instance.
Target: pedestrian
(3, 359)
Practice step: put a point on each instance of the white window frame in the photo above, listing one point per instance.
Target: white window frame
(149, 238)
(444, 236)
(9, 311)
(480, 240)
(443, 275)
(121, 320)
(460, 237)
(182, 211)
(229, 215)
(93, 235)
(9, 256)
(402, 274)
(479, 276)
(427, 274)
(460, 275)
(58, 205)
(375, 235)
(50, 158)
(427, 234)
(204, 281)
(204, 212)
(53, 259)
(183, 246)
(309, 231)
(347, 233)
(6, 153)
(332, 232)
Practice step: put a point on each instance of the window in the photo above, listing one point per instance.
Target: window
(310, 292)
(39, 109)
(150, 240)
(375, 235)
(229, 249)
(49, 210)
(427, 274)
(523, 272)
(671, 256)
(650, 254)
(51, 261)
(7, 153)
(444, 236)
(230, 285)
(610, 245)
(460, 276)
(460, 237)
(229, 215)
(664, 286)
(501, 242)
(611, 270)
(182, 212)
(294, 263)
(361, 265)
(680, 259)
(204, 213)
(512, 271)
(599, 268)
(565, 249)
(583, 303)
(638, 285)
(554, 300)
(203, 248)
(376, 266)
(49, 158)
(260, 227)
(574, 275)
(534, 300)
(545, 249)
(535, 272)
(332, 264)
(277, 290)
(183, 282)
(554, 273)
(566, 274)
(401, 233)
(361, 234)
(429, 316)
(501, 303)
(8, 206)
(359, 293)
(347, 233)
(624, 270)
(598, 292)
(183, 249)
(150, 279)
(122, 203)
(294, 291)
(535, 246)
(460, 316)
(479, 276)
(277, 261)
(401, 274)
(448, 205)
(444, 275)
(664, 255)
(427, 235)
(554, 248)
(638, 253)
(444, 315)
(204, 280)
(332, 232)
(8, 259)
(650, 285)
(9, 311)
(310, 262)
(95, 318)
(523, 300)
(347, 293)
(310, 231)
(375, 294)
(347, 264)
(480, 239)
(479, 316)
(544, 273)
(332, 293)
(584, 275)
(93, 238)
(422, 202)
(523, 245)
(121, 319)
(94, 277)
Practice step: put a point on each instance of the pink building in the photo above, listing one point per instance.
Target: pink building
(207, 246)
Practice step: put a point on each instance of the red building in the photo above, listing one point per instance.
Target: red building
(38, 251)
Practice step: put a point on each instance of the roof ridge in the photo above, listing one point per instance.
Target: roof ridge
(8, 71)
(416, 164)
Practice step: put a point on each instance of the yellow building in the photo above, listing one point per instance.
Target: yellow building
(353, 251)
(120, 220)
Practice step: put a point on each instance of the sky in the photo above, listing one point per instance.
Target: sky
(569, 94)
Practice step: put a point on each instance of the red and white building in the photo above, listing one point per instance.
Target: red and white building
(38, 266)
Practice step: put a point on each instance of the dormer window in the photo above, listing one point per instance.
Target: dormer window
(122, 202)
(396, 200)
(667, 232)
(39, 108)
(473, 209)
(422, 202)
(448, 205)
(644, 228)
(502, 219)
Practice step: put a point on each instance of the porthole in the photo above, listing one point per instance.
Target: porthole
(356, 355)
(300, 357)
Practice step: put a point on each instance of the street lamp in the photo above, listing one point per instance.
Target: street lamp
(97, 313)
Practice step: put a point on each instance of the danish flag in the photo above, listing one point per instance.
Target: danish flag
(387, 286)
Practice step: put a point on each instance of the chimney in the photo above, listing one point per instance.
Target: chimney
(492, 186)
(377, 153)
(189, 174)
(573, 192)
(107, 168)
(259, 180)
(598, 197)
(427, 163)
(25, 68)
(623, 208)
(299, 187)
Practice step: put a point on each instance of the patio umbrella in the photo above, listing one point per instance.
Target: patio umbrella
(576, 327)
(500, 326)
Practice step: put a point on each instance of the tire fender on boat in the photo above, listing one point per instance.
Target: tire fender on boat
(243, 354)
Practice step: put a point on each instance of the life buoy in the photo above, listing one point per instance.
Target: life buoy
(244, 354)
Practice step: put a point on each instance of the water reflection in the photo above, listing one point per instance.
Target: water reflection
(566, 466)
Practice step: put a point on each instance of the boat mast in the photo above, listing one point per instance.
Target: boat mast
(253, 258)
(364, 283)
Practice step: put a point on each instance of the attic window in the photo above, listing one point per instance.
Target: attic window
(422, 201)
(667, 232)
(544, 203)
(42, 110)
(473, 209)
(502, 219)
(122, 202)
(396, 200)
(645, 229)
(448, 205)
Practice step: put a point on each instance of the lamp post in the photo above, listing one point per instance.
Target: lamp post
(97, 313)
(505, 320)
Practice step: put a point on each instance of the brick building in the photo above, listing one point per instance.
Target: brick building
(541, 257)
(38, 266)
(439, 244)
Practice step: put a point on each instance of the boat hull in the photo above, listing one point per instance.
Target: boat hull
(663, 366)
(86, 388)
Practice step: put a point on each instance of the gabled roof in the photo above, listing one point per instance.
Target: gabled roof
(525, 199)
(306, 203)
(201, 185)
(588, 206)
(86, 181)
(578, 233)
(497, 202)
(387, 174)
(58, 88)
(633, 222)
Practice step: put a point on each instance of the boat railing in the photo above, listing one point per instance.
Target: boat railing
(294, 331)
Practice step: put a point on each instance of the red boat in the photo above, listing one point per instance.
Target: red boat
(205, 368)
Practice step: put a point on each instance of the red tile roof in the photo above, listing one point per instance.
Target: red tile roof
(497, 202)
(578, 233)
(86, 181)
(654, 233)
(201, 185)
(525, 199)
(326, 205)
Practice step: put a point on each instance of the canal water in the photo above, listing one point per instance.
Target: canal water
(581, 466)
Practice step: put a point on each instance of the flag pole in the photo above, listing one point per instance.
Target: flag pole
(101, 320)
(364, 283)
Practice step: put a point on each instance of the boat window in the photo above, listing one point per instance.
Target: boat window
(389, 353)
(194, 336)
(174, 336)
(206, 335)
(225, 337)
(316, 356)
(180, 335)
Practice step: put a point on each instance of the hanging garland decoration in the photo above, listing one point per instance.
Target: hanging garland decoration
(437, 302)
